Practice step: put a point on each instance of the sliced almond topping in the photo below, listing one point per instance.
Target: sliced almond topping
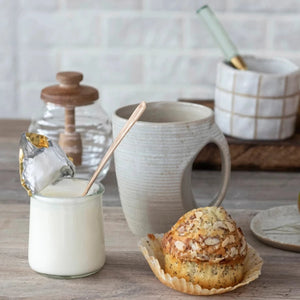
(180, 245)
(194, 246)
(198, 214)
(210, 241)
(181, 230)
(243, 247)
(206, 225)
(219, 224)
(239, 232)
(203, 257)
(225, 242)
(229, 240)
(217, 246)
(230, 226)
(233, 252)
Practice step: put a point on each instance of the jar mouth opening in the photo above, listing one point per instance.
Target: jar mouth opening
(97, 189)
(273, 67)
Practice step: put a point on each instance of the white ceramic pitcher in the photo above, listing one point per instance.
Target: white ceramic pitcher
(154, 162)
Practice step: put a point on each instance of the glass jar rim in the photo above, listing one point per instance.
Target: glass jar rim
(65, 199)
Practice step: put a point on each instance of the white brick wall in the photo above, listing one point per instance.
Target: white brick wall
(131, 50)
(144, 32)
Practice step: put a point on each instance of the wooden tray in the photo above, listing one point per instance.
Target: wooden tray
(252, 155)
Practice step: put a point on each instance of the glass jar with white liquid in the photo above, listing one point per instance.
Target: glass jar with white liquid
(66, 237)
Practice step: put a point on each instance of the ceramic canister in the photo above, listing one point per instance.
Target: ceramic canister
(260, 103)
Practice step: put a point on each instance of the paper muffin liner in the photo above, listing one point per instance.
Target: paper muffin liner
(152, 250)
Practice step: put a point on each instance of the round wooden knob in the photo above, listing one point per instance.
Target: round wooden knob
(69, 91)
(69, 78)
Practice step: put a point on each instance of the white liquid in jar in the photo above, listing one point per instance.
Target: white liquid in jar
(66, 230)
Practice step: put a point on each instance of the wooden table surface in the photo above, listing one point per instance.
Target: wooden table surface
(126, 274)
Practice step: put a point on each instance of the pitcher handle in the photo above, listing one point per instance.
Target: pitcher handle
(218, 138)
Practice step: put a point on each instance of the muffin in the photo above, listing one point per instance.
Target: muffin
(205, 247)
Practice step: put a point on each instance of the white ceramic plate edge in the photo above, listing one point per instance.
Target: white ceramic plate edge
(267, 240)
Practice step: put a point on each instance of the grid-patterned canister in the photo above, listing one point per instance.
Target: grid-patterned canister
(260, 103)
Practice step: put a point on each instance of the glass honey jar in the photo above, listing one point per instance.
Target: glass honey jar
(74, 118)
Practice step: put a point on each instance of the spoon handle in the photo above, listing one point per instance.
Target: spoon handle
(220, 35)
(133, 118)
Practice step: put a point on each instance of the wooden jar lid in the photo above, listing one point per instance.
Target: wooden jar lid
(69, 92)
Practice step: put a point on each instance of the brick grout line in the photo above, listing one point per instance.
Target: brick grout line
(58, 61)
(61, 7)
(193, 52)
(129, 86)
(265, 25)
(162, 14)
(229, 5)
(184, 33)
(228, 13)
(144, 4)
(61, 4)
(15, 50)
(209, 52)
(143, 71)
(269, 34)
(104, 31)
(171, 14)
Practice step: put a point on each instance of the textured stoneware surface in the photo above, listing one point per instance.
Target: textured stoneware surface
(278, 227)
(260, 103)
(154, 162)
